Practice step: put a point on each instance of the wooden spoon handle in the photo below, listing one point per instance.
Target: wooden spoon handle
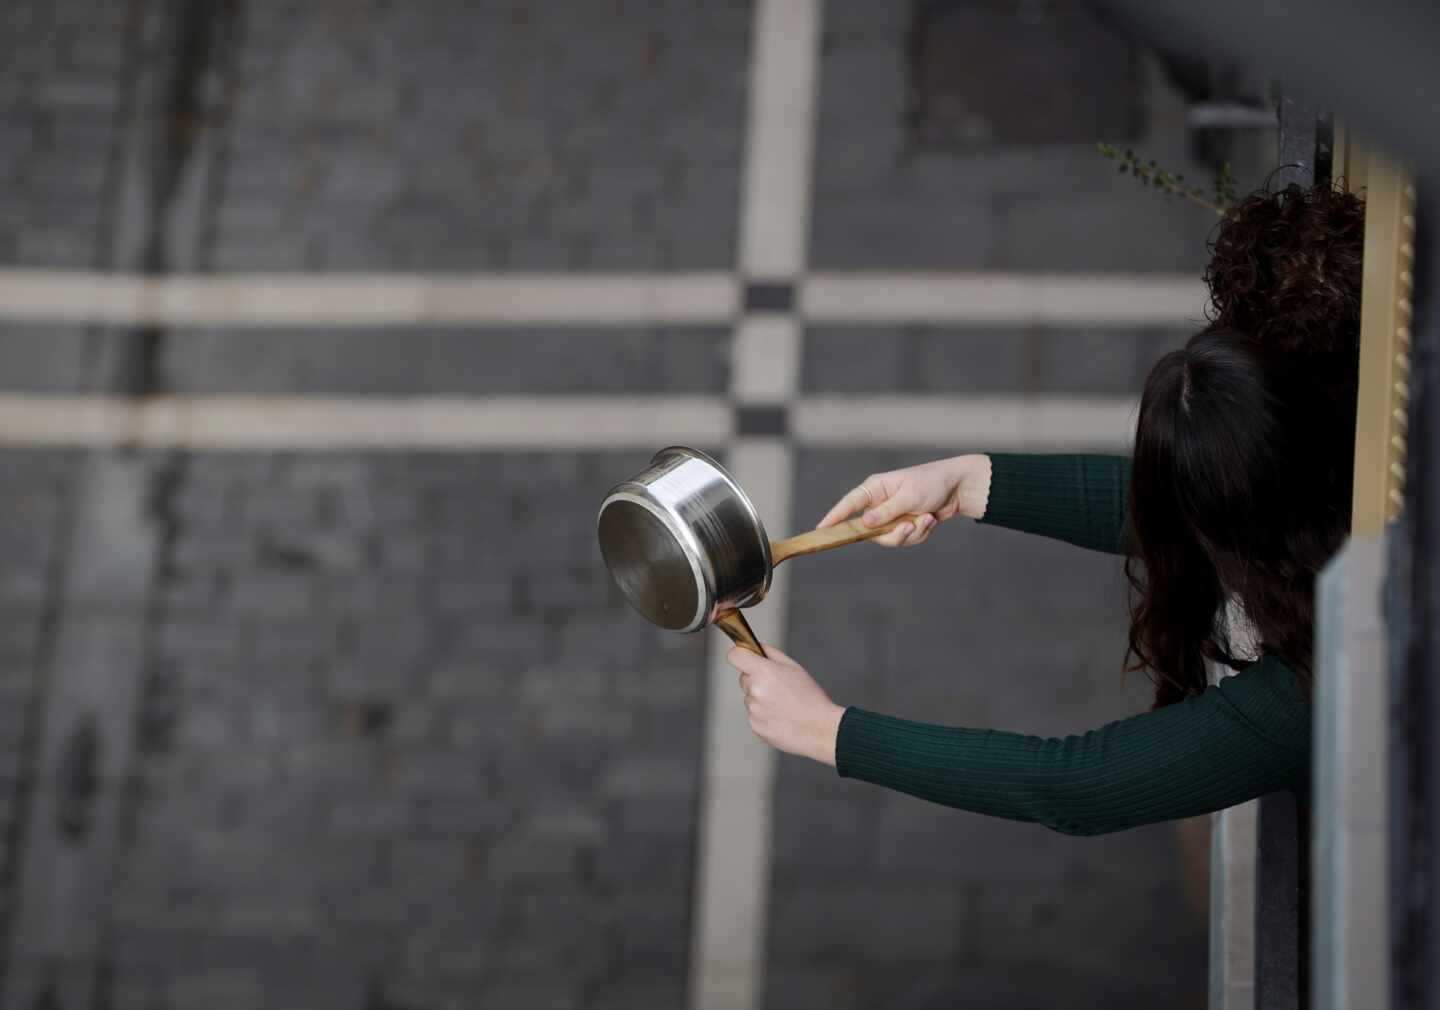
(848, 532)
(733, 623)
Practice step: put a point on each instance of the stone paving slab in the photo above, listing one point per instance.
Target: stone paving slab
(34, 493)
(449, 361)
(61, 83)
(44, 358)
(40, 358)
(933, 359)
(507, 136)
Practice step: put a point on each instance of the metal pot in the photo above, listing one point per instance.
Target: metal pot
(685, 545)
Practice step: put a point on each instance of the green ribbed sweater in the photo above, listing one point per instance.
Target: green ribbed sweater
(1245, 737)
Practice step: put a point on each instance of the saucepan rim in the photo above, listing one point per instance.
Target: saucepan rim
(702, 565)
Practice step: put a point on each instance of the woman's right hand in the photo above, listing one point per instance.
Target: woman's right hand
(933, 491)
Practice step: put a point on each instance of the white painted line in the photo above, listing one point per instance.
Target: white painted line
(598, 299)
(561, 421)
(367, 300)
(733, 865)
(1006, 298)
(732, 880)
(316, 422)
(518, 422)
(784, 78)
(765, 361)
(969, 423)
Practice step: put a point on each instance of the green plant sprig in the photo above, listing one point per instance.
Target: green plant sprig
(1170, 183)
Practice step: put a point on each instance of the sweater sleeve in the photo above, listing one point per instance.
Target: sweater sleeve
(1076, 498)
(1245, 737)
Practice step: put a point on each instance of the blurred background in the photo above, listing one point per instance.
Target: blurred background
(307, 703)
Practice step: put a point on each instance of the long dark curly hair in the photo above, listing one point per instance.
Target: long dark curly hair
(1285, 267)
(1241, 482)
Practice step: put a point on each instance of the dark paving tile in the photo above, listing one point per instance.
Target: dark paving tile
(486, 138)
(448, 361)
(61, 84)
(935, 359)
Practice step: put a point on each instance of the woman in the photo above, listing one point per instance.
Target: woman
(1237, 494)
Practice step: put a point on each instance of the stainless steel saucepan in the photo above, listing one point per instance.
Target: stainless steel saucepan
(687, 548)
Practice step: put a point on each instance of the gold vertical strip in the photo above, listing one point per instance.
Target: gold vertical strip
(1385, 315)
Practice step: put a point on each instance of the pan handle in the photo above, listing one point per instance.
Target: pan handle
(733, 623)
(848, 532)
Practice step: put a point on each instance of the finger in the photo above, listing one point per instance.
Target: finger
(916, 529)
(840, 511)
(920, 531)
(868, 492)
(756, 667)
(745, 682)
(887, 509)
(744, 660)
(892, 538)
(778, 656)
(896, 537)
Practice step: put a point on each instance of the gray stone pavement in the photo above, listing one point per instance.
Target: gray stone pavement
(34, 493)
(402, 746)
(55, 357)
(958, 360)
(43, 358)
(405, 746)
(62, 68)
(885, 199)
(507, 135)
(476, 361)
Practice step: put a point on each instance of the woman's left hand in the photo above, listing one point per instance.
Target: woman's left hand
(788, 710)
